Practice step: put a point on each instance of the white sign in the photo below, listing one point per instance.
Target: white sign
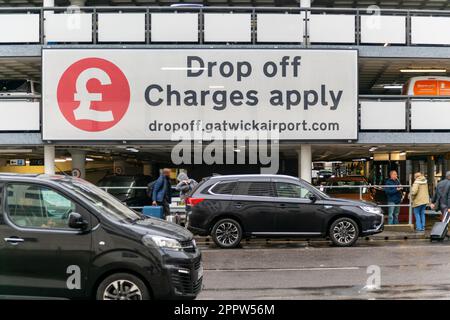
(154, 94)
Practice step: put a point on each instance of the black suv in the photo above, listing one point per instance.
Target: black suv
(230, 208)
(63, 237)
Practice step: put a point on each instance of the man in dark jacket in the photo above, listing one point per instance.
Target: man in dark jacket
(441, 197)
(162, 192)
(394, 196)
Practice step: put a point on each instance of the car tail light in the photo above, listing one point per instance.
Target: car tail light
(194, 201)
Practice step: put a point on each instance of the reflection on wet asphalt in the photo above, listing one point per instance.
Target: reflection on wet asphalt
(409, 269)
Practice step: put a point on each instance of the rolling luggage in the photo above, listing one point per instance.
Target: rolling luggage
(153, 211)
(440, 229)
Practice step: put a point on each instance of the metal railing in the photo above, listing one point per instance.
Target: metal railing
(253, 11)
(407, 116)
(363, 189)
(408, 113)
(174, 209)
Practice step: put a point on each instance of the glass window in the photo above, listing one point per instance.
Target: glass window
(34, 206)
(224, 187)
(290, 190)
(258, 189)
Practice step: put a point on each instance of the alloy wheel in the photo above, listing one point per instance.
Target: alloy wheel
(344, 232)
(122, 290)
(227, 233)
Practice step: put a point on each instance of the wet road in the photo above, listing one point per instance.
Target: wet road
(412, 269)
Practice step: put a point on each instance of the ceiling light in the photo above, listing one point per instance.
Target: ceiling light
(423, 70)
(237, 150)
(60, 160)
(393, 86)
(403, 153)
(132, 149)
(373, 149)
(89, 159)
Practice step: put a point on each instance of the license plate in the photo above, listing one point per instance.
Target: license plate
(200, 272)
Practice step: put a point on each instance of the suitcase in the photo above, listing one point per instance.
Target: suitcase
(440, 229)
(153, 211)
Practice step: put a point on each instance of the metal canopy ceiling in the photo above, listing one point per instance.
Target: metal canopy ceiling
(392, 4)
(20, 68)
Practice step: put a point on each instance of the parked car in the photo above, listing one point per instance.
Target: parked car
(348, 188)
(427, 86)
(324, 175)
(230, 208)
(19, 88)
(133, 193)
(66, 238)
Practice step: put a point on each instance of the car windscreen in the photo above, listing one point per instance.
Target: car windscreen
(346, 186)
(14, 86)
(102, 201)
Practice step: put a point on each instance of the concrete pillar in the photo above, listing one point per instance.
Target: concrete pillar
(147, 169)
(409, 171)
(49, 159)
(305, 162)
(305, 3)
(119, 167)
(48, 3)
(430, 171)
(78, 163)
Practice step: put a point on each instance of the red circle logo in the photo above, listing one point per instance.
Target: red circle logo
(93, 94)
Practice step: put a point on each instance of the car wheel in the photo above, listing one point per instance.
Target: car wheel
(227, 233)
(122, 286)
(344, 232)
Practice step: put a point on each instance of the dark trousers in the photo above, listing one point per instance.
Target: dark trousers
(165, 206)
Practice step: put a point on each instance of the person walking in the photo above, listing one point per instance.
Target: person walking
(162, 192)
(441, 197)
(185, 185)
(420, 198)
(394, 196)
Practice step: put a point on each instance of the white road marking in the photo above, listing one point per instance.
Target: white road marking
(283, 269)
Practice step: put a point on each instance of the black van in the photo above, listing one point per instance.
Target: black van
(63, 237)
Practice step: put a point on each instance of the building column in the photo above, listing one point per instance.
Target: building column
(119, 167)
(430, 171)
(305, 3)
(409, 174)
(48, 3)
(49, 159)
(305, 162)
(78, 163)
(147, 169)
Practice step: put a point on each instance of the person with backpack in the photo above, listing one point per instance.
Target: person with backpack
(185, 185)
(441, 197)
(161, 192)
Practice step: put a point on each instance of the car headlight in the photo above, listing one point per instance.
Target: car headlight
(370, 209)
(161, 242)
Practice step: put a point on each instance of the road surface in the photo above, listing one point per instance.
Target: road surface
(412, 269)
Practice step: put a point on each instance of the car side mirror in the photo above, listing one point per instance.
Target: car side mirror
(76, 221)
(313, 198)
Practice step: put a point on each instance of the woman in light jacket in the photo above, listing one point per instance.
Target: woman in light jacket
(420, 199)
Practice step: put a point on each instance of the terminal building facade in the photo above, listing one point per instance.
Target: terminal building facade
(106, 86)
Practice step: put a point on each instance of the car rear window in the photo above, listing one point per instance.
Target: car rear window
(226, 187)
(255, 188)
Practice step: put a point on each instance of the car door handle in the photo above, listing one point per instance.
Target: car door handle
(238, 205)
(282, 205)
(14, 240)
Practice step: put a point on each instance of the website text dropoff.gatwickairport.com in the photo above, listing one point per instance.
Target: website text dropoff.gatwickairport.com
(242, 126)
